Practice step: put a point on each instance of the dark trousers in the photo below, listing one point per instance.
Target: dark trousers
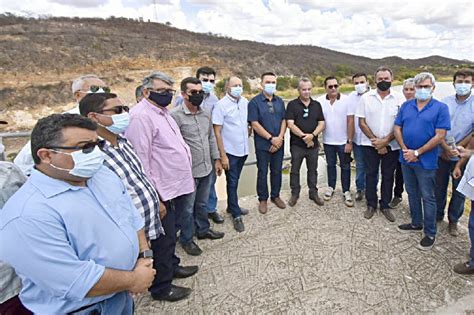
(165, 261)
(456, 204)
(398, 190)
(333, 152)
(298, 154)
(13, 306)
(236, 163)
(275, 161)
(388, 163)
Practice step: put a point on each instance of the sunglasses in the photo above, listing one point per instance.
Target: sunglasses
(271, 109)
(196, 92)
(86, 148)
(117, 109)
(306, 113)
(208, 80)
(95, 88)
(335, 86)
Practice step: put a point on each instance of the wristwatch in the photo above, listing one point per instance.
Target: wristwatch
(416, 153)
(146, 254)
(349, 142)
(270, 138)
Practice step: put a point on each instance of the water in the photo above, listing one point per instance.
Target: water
(248, 179)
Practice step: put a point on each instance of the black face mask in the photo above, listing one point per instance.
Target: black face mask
(161, 99)
(196, 99)
(384, 85)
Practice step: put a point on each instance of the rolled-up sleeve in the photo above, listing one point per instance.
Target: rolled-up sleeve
(41, 252)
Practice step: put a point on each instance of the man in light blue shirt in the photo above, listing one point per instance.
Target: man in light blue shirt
(71, 231)
(461, 112)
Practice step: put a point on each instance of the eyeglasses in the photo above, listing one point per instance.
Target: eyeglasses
(306, 112)
(86, 148)
(424, 86)
(117, 109)
(335, 86)
(95, 88)
(271, 109)
(208, 80)
(161, 91)
(196, 92)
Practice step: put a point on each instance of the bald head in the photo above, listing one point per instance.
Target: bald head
(233, 81)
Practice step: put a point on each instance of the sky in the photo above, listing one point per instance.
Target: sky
(376, 29)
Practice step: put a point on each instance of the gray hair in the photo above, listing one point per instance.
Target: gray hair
(420, 77)
(78, 83)
(156, 75)
(409, 81)
(303, 80)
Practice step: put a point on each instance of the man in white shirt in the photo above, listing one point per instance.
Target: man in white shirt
(377, 111)
(337, 138)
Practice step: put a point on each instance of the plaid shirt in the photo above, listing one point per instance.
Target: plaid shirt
(124, 162)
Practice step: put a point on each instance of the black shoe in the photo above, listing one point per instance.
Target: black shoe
(369, 213)
(192, 249)
(388, 214)
(239, 224)
(175, 294)
(216, 217)
(395, 202)
(359, 195)
(184, 272)
(212, 235)
(243, 211)
(427, 243)
(408, 228)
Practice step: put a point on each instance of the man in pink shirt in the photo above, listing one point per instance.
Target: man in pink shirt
(166, 159)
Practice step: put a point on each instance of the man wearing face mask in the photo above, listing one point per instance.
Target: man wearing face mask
(207, 76)
(81, 86)
(230, 127)
(421, 125)
(377, 111)
(166, 159)
(112, 118)
(461, 110)
(196, 127)
(266, 114)
(72, 232)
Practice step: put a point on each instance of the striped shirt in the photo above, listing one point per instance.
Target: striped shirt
(124, 162)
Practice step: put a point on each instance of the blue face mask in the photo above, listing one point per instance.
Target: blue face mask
(270, 88)
(120, 123)
(85, 164)
(462, 88)
(207, 87)
(236, 91)
(423, 94)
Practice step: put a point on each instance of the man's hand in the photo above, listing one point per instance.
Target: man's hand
(162, 210)
(378, 143)
(310, 145)
(277, 142)
(273, 149)
(307, 138)
(409, 156)
(218, 167)
(464, 153)
(457, 173)
(143, 275)
(225, 162)
(382, 151)
(348, 148)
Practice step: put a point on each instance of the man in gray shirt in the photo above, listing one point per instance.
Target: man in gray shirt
(196, 128)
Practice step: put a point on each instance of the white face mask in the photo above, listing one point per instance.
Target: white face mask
(120, 123)
(361, 88)
(85, 164)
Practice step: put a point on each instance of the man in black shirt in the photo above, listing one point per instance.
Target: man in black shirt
(305, 119)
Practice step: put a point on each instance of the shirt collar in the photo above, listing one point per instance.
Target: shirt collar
(233, 100)
(49, 186)
(264, 98)
(462, 103)
(338, 96)
(188, 112)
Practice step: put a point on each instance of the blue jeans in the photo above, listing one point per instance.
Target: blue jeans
(360, 166)
(420, 186)
(194, 215)
(471, 233)
(332, 152)
(456, 204)
(212, 201)
(275, 161)
(236, 163)
(121, 304)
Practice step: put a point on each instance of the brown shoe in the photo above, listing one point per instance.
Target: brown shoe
(278, 202)
(262, 207)
(317, 200)
(293, 200)
(463, 269)
(453, 229)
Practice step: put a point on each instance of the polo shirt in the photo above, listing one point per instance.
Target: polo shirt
(335, 116)
(307, 124)
(418, 127)
(260, 110)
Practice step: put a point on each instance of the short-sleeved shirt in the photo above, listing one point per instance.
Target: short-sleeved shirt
(335, 115)
(380, 114)
(296, 110)
(353, 100)
(466, 185)
(461, 115)
(60, 238)
(270, 114)
(231, 114)
(418, 127)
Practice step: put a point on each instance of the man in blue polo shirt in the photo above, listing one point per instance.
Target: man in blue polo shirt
(266, 113)
(420, 126)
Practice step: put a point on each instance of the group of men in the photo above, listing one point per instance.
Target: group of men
(109, 188)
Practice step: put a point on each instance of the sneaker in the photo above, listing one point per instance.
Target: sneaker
(453, 229)
(463, 269)
(293, 200)
(239, 224)
(395, 202)
(359, 195)
(388, 214)
(348, 199)
(369, 213)
(427, 243)
(409, 228)
(328, 194)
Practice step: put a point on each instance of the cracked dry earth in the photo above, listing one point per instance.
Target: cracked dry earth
(310, 259)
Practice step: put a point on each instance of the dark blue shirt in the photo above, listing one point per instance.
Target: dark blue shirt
(269, 114)
(418, 127)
